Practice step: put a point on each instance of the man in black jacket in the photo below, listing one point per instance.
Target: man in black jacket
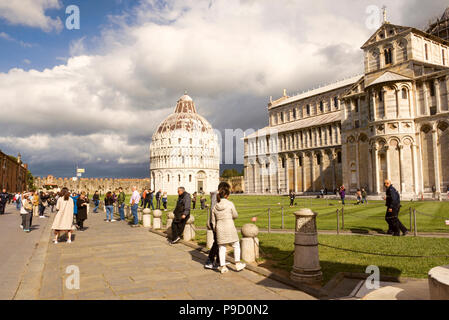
(393, 204)
(181, 213)
(3, 200)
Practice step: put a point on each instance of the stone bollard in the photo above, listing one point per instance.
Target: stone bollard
(170, 217)
(139, 213)
(157, 221)
(438, 279)
(250, 242)
(189, 230)
(146, 218)
(306, 267)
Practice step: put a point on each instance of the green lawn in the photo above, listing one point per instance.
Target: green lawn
(276, 247)
(357, 217)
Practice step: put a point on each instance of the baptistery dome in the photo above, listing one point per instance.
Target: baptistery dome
(184, 152)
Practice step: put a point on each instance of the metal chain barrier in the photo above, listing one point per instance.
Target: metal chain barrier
(431, 216)
(381, 254)
(266, 255)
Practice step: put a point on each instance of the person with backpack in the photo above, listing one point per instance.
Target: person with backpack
(223, 215)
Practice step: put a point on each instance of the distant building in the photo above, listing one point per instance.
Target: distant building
(184, 152)
(237, 183)
(91, 185)
(390, 122)
(13, 173)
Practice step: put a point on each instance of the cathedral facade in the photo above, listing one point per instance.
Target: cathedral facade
(392, 122)
(184, 152)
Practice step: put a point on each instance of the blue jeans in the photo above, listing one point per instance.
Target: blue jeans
(109, 212)
(97, 203)
(18, 205)
(121, 210)
(134, 211)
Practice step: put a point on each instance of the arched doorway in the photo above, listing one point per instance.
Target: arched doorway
(201, 181)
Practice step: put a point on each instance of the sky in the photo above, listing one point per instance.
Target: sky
(92, 97)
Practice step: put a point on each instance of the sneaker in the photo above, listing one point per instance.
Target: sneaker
(224, 269)
(55, 241)
(240, 266)
(208, 265)
(69, 241)
(135, 225)
(27, 230)
(113, 220)
(21, 227)
(176, 240)
(41, 217)
(215, 266)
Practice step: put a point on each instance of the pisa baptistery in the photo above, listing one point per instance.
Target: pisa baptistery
(184, 152)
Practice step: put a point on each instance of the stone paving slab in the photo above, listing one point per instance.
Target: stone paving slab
(119, 262)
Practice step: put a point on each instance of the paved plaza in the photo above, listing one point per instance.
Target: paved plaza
(119, 262)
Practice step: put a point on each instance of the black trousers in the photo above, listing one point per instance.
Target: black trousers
(2, 208)
(178, 228)
(158, 203)
(213, 253)
(80, 222)
(394, 224)
(193, 204)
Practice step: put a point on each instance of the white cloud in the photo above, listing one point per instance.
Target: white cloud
(230, 55)
(31, 13)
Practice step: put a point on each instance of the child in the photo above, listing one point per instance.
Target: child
(164, 201)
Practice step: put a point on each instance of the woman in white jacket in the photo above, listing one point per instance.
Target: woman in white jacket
(223, 216)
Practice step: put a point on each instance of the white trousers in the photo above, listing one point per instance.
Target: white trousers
(222, 253)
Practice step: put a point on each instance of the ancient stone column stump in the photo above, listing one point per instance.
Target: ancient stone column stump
(189, 230)
(146, 218)
(250, 242)
(306, 268)
(157, 221)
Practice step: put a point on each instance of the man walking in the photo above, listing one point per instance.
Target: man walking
(292, 198)
(134, 202)
(181, 213)
(3, 200)
(393, 204)
(121, 203)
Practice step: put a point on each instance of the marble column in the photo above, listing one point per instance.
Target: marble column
(436, 159)
(415, 168)
(437, 95)
(370, 170)
(312, 165)
(295, 172)
(374, 107)
(387, 159)
(278, 175)
(287, 175)
(426, 100)
(357, 161)
(376, 170)
(304, 189)
(401, 168)
(398, 106)
(262, 174)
